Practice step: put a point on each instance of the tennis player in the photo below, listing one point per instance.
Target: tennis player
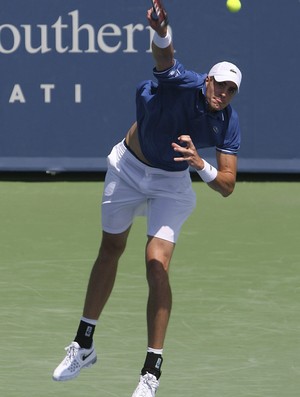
(148, 174)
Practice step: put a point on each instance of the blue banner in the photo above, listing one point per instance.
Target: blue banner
(69, 70)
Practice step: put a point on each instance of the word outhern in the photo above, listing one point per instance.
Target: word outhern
(84, 38)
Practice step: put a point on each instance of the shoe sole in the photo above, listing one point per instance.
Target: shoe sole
(65, 378)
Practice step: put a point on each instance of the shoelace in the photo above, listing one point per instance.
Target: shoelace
(71, 352)
(148, 382)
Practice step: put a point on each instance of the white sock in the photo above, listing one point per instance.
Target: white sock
(89, 321)
(155, 351)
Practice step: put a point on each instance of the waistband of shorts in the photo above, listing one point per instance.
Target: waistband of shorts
(132, 152)
(127, 152)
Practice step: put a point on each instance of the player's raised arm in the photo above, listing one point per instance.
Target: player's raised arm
(162, 47)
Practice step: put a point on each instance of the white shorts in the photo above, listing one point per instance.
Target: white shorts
(132, 188)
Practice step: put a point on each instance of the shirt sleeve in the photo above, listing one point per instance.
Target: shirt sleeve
(178, 76)
(232, 139)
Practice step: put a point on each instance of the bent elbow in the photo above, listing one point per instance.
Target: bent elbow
(227, 191)
(225, 194)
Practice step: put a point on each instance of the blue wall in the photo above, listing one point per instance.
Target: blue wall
(68, 72)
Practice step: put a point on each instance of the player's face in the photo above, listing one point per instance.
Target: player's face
(219, 94)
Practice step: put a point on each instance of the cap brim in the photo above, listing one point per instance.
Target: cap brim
(221, 77)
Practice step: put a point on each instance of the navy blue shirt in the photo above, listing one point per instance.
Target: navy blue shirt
(175, 106)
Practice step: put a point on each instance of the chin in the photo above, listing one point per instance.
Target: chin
(216, 108)
(220, 106)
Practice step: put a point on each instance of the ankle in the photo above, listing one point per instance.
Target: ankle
(85, 332)
(152, 365)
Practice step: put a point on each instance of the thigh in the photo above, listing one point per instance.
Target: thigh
(120, 204)
(167, 215)
(171, 201)
(113, 245)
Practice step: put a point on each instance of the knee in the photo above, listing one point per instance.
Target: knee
(157, 275)
(112, 247)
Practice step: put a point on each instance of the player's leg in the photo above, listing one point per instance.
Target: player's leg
(159, 251)
(103, 273)
(158, 256)
(81, 352)
(121, 202)
(174, 202)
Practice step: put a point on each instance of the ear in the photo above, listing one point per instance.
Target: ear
(207, 80)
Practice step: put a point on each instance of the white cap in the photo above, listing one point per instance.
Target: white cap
(226, 71)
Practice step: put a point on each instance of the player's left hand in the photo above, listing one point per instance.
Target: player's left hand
(188, 151)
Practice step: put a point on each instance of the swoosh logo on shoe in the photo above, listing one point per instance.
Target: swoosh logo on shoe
(85, 356)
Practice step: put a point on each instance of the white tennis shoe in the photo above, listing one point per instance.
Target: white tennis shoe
(147, 386)
(76, 359)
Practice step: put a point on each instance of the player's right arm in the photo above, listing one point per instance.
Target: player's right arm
(164, 57)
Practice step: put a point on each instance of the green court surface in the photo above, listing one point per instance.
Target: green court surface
(235, 326)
